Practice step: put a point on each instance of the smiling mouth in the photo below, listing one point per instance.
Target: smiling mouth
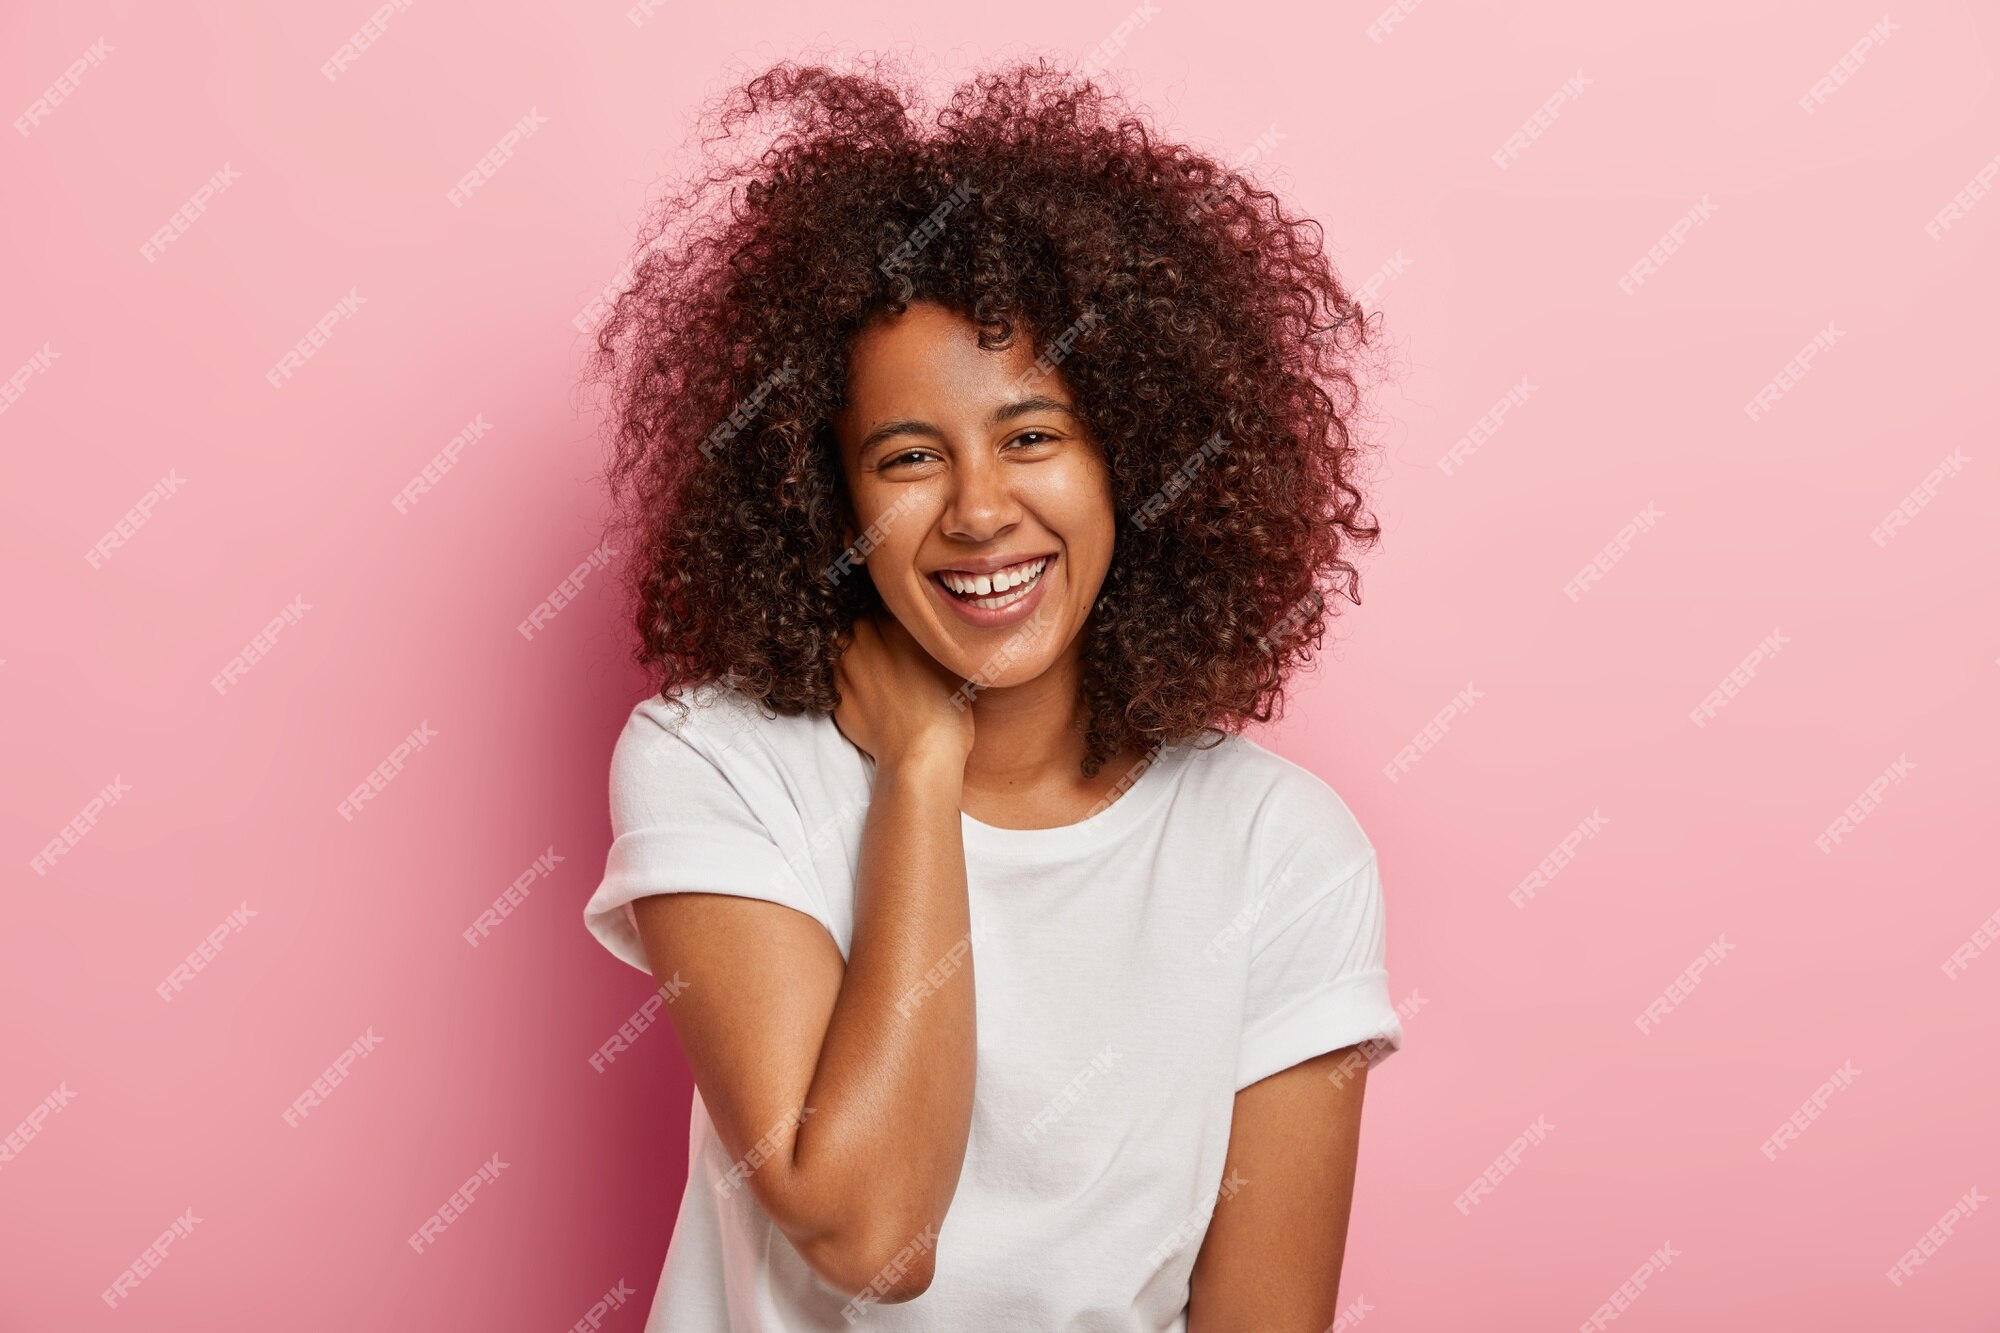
(1002, 590)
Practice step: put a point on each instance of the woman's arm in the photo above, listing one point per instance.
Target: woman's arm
(860, 1074)
(1270, 1262)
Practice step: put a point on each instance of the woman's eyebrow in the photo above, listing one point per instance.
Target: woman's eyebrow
(1005, 412)
(891, 429)
(1039, 403)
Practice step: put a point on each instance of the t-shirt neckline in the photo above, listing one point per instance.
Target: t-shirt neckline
(1141, 794)
(1065, 840)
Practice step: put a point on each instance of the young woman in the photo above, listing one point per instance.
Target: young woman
(980, 477)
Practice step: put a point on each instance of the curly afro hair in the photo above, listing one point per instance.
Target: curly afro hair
(1210, 347)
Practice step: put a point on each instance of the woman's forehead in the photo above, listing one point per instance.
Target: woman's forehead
(927, 361)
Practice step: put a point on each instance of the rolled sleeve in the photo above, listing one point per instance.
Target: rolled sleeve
(681, 823)
(1319, 982)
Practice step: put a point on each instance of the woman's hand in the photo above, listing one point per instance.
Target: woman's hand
(895, 698)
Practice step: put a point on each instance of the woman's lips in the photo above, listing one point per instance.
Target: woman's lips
(985, 617)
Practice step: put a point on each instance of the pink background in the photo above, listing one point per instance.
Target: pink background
(1513, 1013)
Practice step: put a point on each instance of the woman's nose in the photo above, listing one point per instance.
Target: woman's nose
(982, 504)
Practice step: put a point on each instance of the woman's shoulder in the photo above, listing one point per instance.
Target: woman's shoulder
(701, 711)
(721, 724)
(1285, 806)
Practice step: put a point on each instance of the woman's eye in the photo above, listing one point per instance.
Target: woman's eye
(1030, 438)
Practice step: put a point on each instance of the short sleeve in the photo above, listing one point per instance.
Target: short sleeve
(685, 822)
(1318, 976)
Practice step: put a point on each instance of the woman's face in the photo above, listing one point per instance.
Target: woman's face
(962, 459)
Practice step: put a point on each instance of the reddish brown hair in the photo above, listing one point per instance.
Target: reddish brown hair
(1208, 343)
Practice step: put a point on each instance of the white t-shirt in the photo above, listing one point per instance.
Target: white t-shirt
(1219, 921)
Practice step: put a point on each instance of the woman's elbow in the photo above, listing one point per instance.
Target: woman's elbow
(875, 1268)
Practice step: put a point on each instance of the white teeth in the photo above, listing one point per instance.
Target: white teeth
(986, 584)
(1002, 599)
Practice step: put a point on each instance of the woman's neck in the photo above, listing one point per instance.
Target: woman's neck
(1026, 765)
